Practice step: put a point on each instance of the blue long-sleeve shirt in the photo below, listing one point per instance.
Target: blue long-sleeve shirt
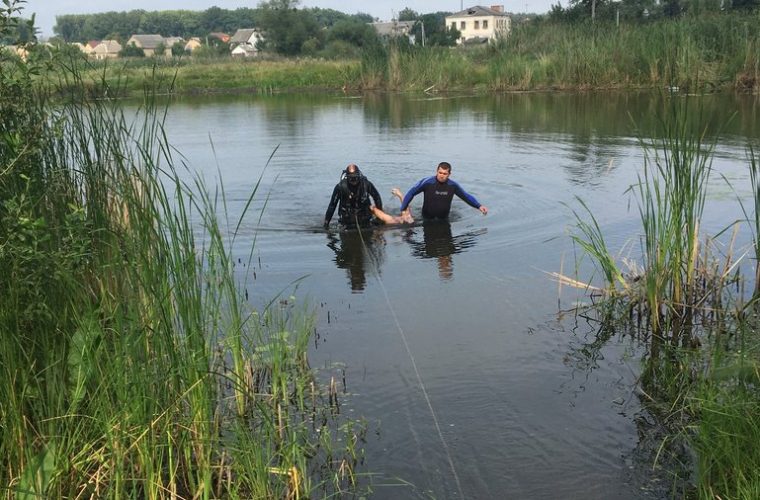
(438, 197)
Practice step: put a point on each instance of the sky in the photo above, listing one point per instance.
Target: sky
(384, 10)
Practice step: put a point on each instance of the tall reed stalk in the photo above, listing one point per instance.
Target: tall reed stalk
(133, 365)
(689, 298)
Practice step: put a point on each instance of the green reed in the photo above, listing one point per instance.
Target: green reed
(133, 365)
(694, 53)
(686, 301)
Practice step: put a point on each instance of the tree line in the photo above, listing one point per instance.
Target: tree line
(642, 10)
(288, 30)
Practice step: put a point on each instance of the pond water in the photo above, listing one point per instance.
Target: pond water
(449, 336)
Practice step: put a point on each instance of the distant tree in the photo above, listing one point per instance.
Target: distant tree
(354, 32)
(327, 18)
(131, 50)
(362, 17)
(69, 27)
(436, 32)
(408, 15)
(286, 28)
(216, 19)
(178, 49)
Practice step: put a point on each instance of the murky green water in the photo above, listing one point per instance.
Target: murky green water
(460, 318)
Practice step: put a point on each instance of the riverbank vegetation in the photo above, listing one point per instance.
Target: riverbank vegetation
(717, 52)
(688, 46)
(133, 364)
(689, 298)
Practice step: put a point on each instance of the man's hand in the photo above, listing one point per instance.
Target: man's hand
(483, 209)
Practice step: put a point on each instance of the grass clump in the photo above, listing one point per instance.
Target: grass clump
(133, 365)
(689, 304)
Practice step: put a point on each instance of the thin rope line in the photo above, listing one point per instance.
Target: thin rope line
(414, 364)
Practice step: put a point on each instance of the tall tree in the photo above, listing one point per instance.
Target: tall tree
(286, 28)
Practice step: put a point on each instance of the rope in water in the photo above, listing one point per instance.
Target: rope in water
(414, 363)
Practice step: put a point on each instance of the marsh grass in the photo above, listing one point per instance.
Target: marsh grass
(690, 54)
(133, 365)
(686, 302)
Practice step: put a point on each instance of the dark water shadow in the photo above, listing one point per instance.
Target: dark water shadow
(661, 464)
(438, 242)
(359, 252)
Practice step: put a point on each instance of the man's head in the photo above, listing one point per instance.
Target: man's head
(352, 174)
(443, 172)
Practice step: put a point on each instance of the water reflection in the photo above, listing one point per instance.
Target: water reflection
(576, 116)
(438, 243)
(359, 253)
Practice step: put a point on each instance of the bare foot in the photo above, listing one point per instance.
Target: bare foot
(397, 193)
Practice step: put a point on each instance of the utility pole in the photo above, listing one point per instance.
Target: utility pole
(593, 10)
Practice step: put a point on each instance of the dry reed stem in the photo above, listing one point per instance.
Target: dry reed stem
(566, 280)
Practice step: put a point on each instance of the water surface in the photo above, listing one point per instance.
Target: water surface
(529, 403)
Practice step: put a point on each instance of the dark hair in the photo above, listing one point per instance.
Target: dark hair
(445, 166)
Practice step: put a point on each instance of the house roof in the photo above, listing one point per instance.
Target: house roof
(393, 28)
(220, 36)
(169, 41)
(478, 11)
(147, 41)
(107, 47)
(243, 35)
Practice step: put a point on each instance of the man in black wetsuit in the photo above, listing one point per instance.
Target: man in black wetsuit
(353, 193)
(438, 191)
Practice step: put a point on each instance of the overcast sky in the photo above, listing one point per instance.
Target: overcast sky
(46, 10)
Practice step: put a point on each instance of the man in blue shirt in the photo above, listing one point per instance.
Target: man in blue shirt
(438, 191)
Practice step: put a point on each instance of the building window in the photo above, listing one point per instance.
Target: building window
(453, 25)
(485, 25)
(462, 25)
(477, 25)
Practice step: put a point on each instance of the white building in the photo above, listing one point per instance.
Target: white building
(394, 28)
(480, 24)
(245, 42)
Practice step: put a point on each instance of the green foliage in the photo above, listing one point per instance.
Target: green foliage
(286, 28)
(160, 49)
(436, 31)
(131, 50)
(408, 14)
(178, 49)
(353, 32)
(127, 349)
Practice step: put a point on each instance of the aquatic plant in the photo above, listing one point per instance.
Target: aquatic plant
(134, 366)
(687, 304)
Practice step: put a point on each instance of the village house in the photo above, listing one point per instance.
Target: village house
(480, 24)
(218, 35)
(88, 47)
(106, 49)
(394, 28)
(148, 43)
(171, 41)
(244, 42)
(193, 44)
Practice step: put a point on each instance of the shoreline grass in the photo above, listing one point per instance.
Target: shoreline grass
(133, 365)
(690, 305)
(689, 54)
